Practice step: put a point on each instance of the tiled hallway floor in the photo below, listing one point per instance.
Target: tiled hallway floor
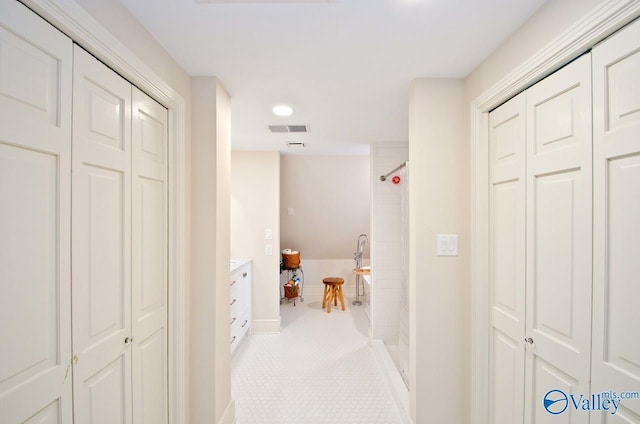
(319, 370)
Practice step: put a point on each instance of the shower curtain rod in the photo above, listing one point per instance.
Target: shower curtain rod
(402, 165)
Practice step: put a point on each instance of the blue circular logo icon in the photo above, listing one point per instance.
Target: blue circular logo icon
(555, 402)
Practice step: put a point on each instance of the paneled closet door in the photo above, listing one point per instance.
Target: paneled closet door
(149, 264)
(559, 232)
(507, 261)
(101, 249)
(35, 216)
(616, 268)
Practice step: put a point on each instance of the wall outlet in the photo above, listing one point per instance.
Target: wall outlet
(447, 245)
(290, 211)
(268, 250)
(268, 234)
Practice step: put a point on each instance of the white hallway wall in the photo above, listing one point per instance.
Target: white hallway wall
(210, 356)
(439, 204)
(553, 18)
(255, 207)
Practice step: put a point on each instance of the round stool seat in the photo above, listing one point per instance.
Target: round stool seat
(332, 292)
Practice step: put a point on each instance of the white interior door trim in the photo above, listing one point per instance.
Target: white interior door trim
(605, 19)
(73, 20)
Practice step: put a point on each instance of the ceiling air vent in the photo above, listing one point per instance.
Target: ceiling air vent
(278, 128)
(289, 128)
(298, 128)
(295, 144)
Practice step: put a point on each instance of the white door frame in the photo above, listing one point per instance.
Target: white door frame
(75, 22)
(605, 19)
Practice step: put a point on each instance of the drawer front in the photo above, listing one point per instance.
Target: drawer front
(235, 284)
(235, 339)
(244, 322)
(237, 305)
(240, 317)
(239, 328)
(239, 283)
(235, 332)
(240, 304)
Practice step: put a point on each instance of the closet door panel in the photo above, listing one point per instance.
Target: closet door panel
(507, 375)
(616, 316)
(507, 220)
(505, 299)
(104, 398)
(623, 209)
(35, 214)
(103, 198)
(559, 231)
(101, 242)
(149, 249)
(545, 375)
(623, 106)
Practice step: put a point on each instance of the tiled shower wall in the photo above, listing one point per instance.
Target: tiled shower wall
(386, 297)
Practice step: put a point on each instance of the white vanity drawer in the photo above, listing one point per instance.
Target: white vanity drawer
(239, 304)
(239, 328)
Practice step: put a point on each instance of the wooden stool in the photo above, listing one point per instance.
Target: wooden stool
(332, 292)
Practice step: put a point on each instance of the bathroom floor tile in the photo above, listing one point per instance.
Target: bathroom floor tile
(318, 370)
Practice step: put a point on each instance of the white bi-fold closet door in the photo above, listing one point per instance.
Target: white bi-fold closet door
(119, 252)
(616, 222)
(564, 249)
(540, 245)
(558, 238)
(507, 255)
(83, 293)
(35, 219)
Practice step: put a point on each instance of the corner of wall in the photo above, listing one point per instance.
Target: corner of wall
(210, 371)
(439, 160)
(256, 207)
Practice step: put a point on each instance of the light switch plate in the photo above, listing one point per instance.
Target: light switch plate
(290, 211)
(268, 234)
(268, 250)
(447, 245)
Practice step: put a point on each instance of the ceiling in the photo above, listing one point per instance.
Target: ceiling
(344, 66)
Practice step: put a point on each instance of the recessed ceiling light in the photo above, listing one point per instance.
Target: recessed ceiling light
(282, 110)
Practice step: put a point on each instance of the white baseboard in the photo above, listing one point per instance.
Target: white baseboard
(265, 326)
(229, 416)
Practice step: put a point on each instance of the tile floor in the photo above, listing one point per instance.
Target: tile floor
(318, 370)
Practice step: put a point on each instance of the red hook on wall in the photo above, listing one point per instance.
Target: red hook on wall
(395, 179)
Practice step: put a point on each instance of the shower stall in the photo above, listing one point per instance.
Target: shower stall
(389, 308)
